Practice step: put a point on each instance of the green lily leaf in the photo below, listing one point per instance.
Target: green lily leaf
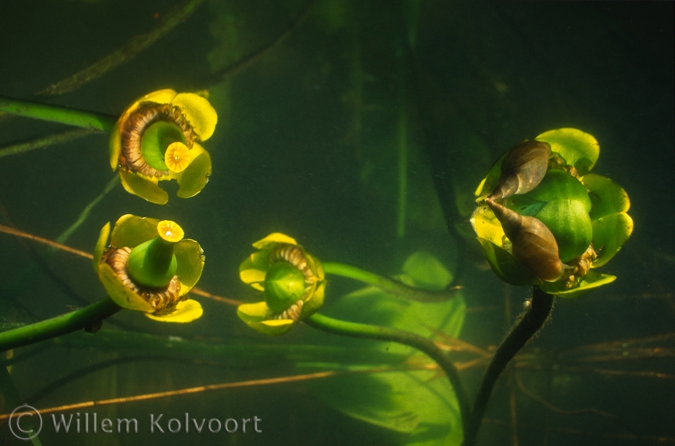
(592, 280)
(425, 271)
(577, 148)
(422, 409)
(370, 399)
(425, 409)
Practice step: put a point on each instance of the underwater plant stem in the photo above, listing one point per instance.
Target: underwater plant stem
(47, 141)
(389, 285)
(63, 115)
(531, 322)
(128, 51)
(387, 334)
(58, 325)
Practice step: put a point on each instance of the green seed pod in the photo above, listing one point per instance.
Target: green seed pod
(284, 286)
(565, 211)
(153, 264)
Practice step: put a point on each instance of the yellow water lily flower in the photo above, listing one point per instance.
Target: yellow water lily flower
(543, 219)
(147, 265)
(292, 280)
(158, 139)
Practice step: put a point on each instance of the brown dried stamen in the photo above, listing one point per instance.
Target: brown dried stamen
(163, 300)
(293, 312)
(581, 265)
(132, 129)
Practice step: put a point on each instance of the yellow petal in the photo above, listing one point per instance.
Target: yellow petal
(275, 237)
(177, 157)
(199, 113)
(186, 311)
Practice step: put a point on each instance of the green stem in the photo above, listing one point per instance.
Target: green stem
(389, 285)
(531, 322)
(63, 115)
(58, 325)
(420, 343)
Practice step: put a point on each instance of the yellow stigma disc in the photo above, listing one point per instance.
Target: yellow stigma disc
(177, 157)
(170, 231)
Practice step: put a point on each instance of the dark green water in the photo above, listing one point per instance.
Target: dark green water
(309, 143)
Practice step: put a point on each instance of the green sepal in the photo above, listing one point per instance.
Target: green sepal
(143, 187)
(131, 230)
(577, 148)
(193, 179)
(190, 257)
(590, 281)
(101, 245)
(119, 293)
(186, 311)
(254, 316)
(506, 266)
(612, 226)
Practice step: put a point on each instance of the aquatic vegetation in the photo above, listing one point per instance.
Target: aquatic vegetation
(157, 139)
(148, 266)
(544, 220)
(293, 282)
(368, 154)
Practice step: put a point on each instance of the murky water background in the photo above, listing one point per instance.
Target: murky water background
(309, 143)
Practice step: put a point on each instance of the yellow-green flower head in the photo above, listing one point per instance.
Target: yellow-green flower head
(148, 266)
(292, 280)
(543, 219)
(157, 139)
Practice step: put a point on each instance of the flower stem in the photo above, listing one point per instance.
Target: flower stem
(420, 343)
(54, 113)
(389, 285)
(58, 325)
(532, 321)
